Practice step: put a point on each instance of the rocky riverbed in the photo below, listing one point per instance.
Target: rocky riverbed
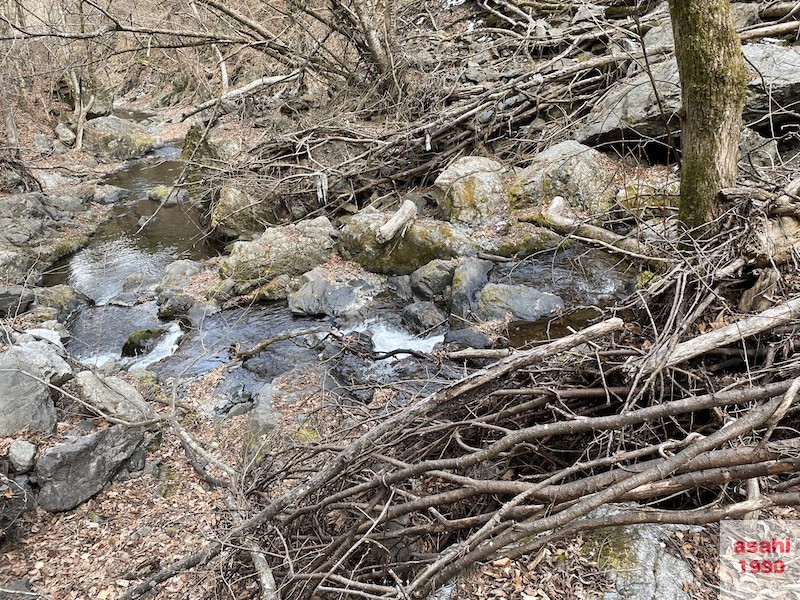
(118, 309)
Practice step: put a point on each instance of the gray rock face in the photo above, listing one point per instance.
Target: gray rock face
(32, 233)
(291, 249)
(321, 294)
(117, 138)
(422, 316)
(653, 572)
(470, 275)
(26, 372)
(473, 190)
(572, 170)
(630, 110)
(433, 279)
(113, 397)
(22, 455)
(522, 303)
(757, 151)
(73, 472)
(14, 300)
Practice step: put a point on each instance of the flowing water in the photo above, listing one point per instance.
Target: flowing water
(124, 261)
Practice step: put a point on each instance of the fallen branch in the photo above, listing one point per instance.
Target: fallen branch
(776, 316)
(344, 458)
(236, 93)
(400, 221)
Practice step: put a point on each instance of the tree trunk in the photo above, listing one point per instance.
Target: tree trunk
(713, 80)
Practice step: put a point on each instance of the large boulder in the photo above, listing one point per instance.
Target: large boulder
(425, 240)
(113, 397)
(473, 190)
(631, 109)
(72, 472)
(235, 213)
(571, 170)
(290, 249)
(117, 138)
(422, 317)
(498, 301)
(26, 373)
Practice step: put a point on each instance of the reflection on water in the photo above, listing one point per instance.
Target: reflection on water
(100, 269)
(122, 247)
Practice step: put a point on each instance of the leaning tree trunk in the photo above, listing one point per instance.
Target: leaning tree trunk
(713, 80)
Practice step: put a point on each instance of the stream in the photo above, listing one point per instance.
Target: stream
(123, 263)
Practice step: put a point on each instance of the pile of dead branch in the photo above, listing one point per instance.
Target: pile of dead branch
(679, 409)
(507, 77)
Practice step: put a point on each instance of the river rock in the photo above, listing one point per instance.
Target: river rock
(290, 249)
(110, 194)
(497, 301)
(64, 299)
(631, 110)
(572, 170)
(47, 335)
(431, 280)
(467, 337)
(263, 417)
(423, 316)
(321, 294)
(142, 341)
(425, 240)
(65, 135)
(523, 239)
(235, 213)
(72, 472)
(26, 373)
(470, 275)
(117, 138)
(22, 455)
(15, 299)
(113, 397)
(473, 190)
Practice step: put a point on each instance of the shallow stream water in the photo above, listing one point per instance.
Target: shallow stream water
(141, 239)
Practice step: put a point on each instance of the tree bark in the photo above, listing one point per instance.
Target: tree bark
(713, 79)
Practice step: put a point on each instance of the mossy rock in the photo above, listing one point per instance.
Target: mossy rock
(142, 341)
(425, 240)
(117, 138)
(289, 250)
(523, 239)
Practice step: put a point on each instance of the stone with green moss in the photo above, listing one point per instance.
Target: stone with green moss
(523, 239)
(288, 250)
(474, 190)
(142, 341)
(425, 240)
(117, 138)
(236, 213)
